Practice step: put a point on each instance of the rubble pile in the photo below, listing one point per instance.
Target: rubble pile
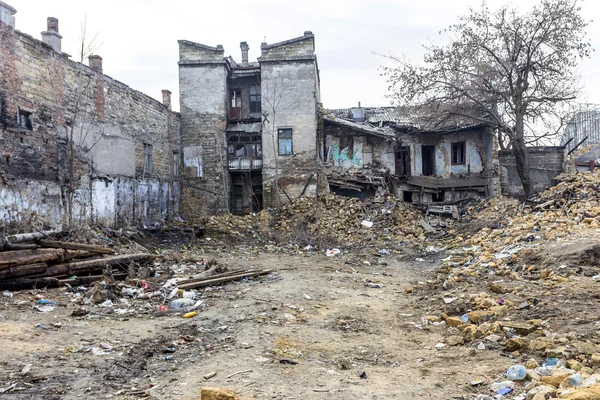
(336, 218)
(350, 220)
(526, 257)
(570, 207)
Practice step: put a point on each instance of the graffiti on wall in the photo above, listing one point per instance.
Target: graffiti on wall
(340, 156)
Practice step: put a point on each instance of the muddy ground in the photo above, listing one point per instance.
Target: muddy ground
(308, 330)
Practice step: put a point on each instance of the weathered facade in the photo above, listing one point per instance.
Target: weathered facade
(75, 140)
(248, 129)
(372, 150)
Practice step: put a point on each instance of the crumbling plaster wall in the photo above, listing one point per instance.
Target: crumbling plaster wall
(475, 152)
(289, 70)
(203, 98)
(366, 150)
(112, 123)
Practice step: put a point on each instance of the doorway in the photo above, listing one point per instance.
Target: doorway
(428, 160)
(403, 161)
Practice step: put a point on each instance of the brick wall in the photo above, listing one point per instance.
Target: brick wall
(109, 123)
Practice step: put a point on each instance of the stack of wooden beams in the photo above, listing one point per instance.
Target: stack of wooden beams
(31, 260)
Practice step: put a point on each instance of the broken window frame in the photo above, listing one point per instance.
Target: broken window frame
(235, 103)
(251, 143)
(255, 100)
(458, 153)
(25, 118)
(285, 141)
(148, 158)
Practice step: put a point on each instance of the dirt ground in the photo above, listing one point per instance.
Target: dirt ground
(308, 330)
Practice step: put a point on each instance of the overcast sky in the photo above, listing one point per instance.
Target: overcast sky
(139, 37)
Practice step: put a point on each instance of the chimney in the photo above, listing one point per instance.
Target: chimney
(51, 36)
(95, 63)
(166, 98)
(244, 46)
(7, 14)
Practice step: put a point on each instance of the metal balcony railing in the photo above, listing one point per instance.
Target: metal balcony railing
(244, 163)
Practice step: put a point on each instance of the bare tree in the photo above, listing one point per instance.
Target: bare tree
(509, 69)
(81, 118)
(276, 96)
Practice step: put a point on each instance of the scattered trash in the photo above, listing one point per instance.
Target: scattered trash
(367, 224)
(26, 369)
(516, 373)
(190, 314)
(332, 252)
(363, 375)
(209, 375)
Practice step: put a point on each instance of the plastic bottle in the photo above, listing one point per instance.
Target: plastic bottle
(575, 380)
(502, 385)
(178, 303)
(516, 373)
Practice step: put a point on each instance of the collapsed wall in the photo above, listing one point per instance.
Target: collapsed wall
(75, 141)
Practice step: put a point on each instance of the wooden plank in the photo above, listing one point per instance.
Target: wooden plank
(23, 270)
(229, 273)
(24, 257)
(76, 246)
(216, 281)
(74, 268)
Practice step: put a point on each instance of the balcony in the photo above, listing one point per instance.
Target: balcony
(245, 163)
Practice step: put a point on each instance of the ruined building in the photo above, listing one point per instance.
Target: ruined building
(248, 129)
(386, 150)
(75, 141)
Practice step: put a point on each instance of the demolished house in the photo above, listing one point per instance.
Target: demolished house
(370, 150)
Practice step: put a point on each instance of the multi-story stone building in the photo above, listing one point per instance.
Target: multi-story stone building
(249, 129)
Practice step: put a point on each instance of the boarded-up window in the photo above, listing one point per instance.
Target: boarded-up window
(285, 142)
(458, 153)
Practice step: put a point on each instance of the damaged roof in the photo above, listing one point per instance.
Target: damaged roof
(402, 118)
(384, 133)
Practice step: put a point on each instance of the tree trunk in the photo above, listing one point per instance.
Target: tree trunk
(522, 155)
